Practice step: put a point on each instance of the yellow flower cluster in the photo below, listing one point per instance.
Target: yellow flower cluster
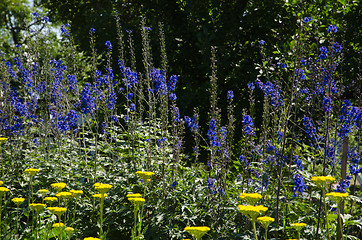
(197, 232)
(337, 196)
(18, 201)
(102, 188)
(136, 199)
(58, 225)
(252, 198)
(64, 195)
(58, 186)
(4, 189)
(50, 199)
(91, 238)
(146, 176)
(59, 211)
(43, 191)
(31, 171)
(3, 139)
(252, 211)
(265, 219)
(100, 195)
(69, 230)
(322, 181)
(37, 206)
(298, 226)
(1, 183)
(76, 193)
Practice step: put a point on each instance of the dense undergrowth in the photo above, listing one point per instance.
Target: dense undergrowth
(78, 121)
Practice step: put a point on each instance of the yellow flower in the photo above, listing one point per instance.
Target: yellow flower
(59, 211)
(298, 226)
(323, 181)
(18, 201)
(102, 188)
(31, 171)
(265, 221)
(3, 190)
(133, 195)
(69, 230)
(99, 195)
(145, 175)
(252, 198)
(137, 201)
(76, 193)
(58, 225)
(1, 183)
(59, 186)
(252, 211)
(3, 139)
(43, 191)
(37, 206)
(337, 196)
(91, 238)
(51, 200)
(64, 195)
(197, 232)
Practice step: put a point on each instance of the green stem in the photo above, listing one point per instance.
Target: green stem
(266, 234)
(101, 213)
(1, 202)
(326, 214)
(340, 223)
(17, 221)
(75, 208)
(254, 229)
(135, 223)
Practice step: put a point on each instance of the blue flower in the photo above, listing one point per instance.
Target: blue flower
(172, 83)
(92, 30)
(299, 185)
(248, 125)
(337, 47)
(230, 95)
(332, 28)
(161, 142)
(172, 96)
(307, 19)
(212, 134)
(261, 42)
(129, 96)
(108, 45)
(132, 107)
(327, 104)
(64, 31)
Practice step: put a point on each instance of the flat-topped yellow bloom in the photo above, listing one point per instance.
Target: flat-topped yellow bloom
(91, 238)
(59, 211)
(298, 226)
(3, 139)
(3, 190)
(102, 188)
(37, 206)
(58, 186)
(323, 181)
(251, 198)
(252, 211)
(18, 201)
(31, 171)
(99, 195)
(146, 176)
(58, 225)
(265, 219)
(76, 193)
(133, 195)
(197, 232)
(64, 195)
(137, 201)
(1, 183)
(337, 196)
(50, 200)
(43, 191)
(69, 230)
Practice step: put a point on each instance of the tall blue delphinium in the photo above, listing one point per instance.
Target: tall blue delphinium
(193, 125)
